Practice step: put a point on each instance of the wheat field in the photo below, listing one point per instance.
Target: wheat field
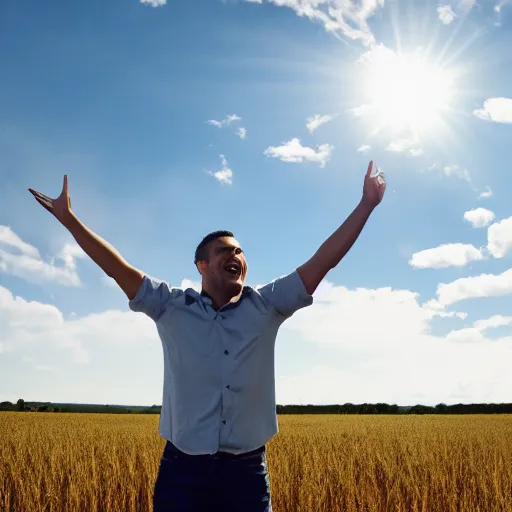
(100, 462)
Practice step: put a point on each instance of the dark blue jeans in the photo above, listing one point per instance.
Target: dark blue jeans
(203, 483)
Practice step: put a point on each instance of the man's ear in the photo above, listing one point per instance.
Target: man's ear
(201, 266)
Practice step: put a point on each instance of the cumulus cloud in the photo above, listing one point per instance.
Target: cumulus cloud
(364, 148)
(76, 350)
(294, 151)
(446, 255)
(494, 322)
(228, 120)
(498, 110)
(242, 133)
(154, 3)
(317, 120)
(499, 238)
(367, 334)
(446, 14)
(479, 217)
(484, 285)
(22, 260)
(346, 18)
(225, 175)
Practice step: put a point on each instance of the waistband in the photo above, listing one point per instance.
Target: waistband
(171, 447)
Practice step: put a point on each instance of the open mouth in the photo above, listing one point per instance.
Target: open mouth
(233, 268)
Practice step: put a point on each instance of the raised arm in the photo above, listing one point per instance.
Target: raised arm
(100, 251)
(339, 243)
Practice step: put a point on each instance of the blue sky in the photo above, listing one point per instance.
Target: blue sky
(173, 119)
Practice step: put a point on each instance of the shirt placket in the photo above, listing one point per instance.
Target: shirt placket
(225, 370)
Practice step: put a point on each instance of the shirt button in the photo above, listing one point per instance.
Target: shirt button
(227, 387)
(226, 352)
(224, 421)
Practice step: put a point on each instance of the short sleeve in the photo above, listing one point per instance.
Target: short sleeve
(153, 297)
(286, 294)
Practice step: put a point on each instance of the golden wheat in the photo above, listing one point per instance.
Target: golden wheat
(80, 462)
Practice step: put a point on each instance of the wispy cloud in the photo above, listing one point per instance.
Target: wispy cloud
(457, 171)
(242, 133)
(446, 14)
(347, 18)
(479, 217)
(446, 255)
(22, 260)
(364, 148)
(498, 110)
(486, 193)
(408, 145)
(225, 122)
(314, 122)
(154, 3)
(294, 151)
(225, 175)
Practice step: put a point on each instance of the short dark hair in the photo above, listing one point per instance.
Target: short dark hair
(202, 249)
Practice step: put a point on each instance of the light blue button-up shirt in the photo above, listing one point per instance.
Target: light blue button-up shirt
(219, 376)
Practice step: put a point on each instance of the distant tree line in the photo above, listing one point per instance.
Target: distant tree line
(381, 408)
(348, 408)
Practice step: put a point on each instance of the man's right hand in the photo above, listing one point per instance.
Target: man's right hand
(100, 251)
(60, 207)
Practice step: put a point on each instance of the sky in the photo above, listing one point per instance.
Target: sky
(176, 118)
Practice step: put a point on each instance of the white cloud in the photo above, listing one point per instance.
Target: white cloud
(479, 217)
(446, 255)
(446, 14)
(486, 193)
(154, 3)
(364, 148)
(225, 122)
(294, 151)
(317, 120)
(242, 133)
(348, 18)
(499, 238)
(409, 145)
(97, 362)
(494, 322)
(225, 175)
(255, 1)
(468, 335)
(484, 285)
(188, 283)
(361, 111)
(22, 260)
(455, 170)
(498, 110)
(367, 334)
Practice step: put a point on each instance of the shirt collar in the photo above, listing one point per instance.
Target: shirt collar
(192, 296)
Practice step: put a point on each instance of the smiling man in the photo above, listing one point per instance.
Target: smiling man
(219, 404)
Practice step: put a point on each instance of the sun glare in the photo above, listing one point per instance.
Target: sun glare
(406, 92)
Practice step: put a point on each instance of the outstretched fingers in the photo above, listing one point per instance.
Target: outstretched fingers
(45, 201)
(370, 169)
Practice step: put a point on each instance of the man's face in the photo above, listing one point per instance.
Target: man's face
(226, 268)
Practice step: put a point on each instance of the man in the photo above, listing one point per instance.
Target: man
(219, 408)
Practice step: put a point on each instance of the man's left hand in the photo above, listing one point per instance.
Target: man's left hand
(374, 187)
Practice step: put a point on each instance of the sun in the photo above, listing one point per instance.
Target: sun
(405, 92)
